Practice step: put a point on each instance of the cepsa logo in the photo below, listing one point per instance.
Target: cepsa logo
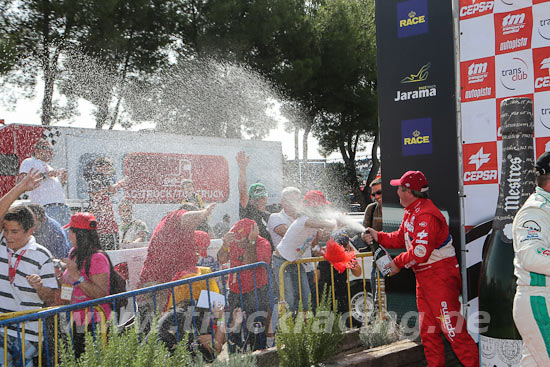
(416, 136)
(412, 18)
(513, 31)
(541, 62)
(475, 8)
(480, 163)
(478, 79)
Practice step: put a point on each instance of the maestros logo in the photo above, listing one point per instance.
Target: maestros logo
(475, 8)
(513, 31)
(541, 63)
(412, 18)
(480, 163)
(478, 79)
(418, 89)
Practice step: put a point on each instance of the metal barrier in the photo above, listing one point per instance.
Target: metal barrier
(379, 285)
(20, 318)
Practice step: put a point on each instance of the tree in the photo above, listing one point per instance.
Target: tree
(346, 96)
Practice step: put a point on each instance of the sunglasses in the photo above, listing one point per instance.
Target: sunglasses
(379, 192)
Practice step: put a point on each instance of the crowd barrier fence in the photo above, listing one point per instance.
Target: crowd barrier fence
(18, 319)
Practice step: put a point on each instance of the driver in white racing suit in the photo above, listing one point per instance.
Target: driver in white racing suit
(531, 234)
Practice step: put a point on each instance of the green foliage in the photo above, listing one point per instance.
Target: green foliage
(309, 338)
(380, 332)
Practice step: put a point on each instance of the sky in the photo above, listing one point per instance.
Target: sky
(27, 112)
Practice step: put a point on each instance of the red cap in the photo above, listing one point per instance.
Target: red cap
(414, 180)
(315, 198)
(242, 228)
(82, 221)
(202, 239)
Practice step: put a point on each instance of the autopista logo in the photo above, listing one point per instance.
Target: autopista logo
(513, 30)
(478, 79)
(415, 81)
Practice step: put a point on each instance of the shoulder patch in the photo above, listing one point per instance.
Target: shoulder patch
(420, 251)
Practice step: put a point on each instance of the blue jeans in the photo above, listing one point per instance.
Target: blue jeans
(14, 352)
(60, 213)
(292, 296)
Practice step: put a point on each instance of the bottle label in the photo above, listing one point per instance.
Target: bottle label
(499, 352)
(381, 262)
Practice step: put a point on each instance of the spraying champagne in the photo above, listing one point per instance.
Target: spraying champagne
(381, 258)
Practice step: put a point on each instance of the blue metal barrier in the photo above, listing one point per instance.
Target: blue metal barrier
(42, 314)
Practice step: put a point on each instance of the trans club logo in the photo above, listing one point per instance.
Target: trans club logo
(543, 28)
(412, 18)
(414, 86)
(513, 30)
(541, 63)
(480, 163)
(478, 79)
(514, 76)
(416, 136)
(475, 8)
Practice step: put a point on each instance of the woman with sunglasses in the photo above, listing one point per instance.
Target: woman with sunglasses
(87, 275)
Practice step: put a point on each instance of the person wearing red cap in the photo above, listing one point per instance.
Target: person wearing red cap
(243, 245)
(296, 244)
(87, 274)
(425, 234)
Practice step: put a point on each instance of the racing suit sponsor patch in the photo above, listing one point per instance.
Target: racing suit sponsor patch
(423, 224)
(420, 250)
(543, 251)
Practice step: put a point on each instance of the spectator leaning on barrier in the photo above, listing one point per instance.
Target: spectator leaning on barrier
(49, 233)
(87, 275)
(28, 280)
(252, 202)
(430, 254)
(131, 230)
(298, 239)
(50, 192)
(243, 245)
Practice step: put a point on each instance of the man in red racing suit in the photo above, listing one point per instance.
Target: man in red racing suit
(425, 234)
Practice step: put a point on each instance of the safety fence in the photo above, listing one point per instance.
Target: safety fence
(357, 301)
(60, 318)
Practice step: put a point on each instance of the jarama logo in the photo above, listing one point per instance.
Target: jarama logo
(478, 79)
(513, 31)
(480, 163)
(475, 8)
(415, 81)
(541, 63)
(412, 18)
(416, 136)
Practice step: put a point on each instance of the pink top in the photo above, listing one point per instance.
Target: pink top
(99, 265)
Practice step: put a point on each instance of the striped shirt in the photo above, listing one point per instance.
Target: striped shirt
(19, 295)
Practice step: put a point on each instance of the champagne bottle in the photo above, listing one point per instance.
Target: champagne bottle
(500, 342)
(381, 258)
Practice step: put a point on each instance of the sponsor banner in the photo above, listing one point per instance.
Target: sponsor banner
(480, 163)
(475, 8)
(416, 136)
(542, 114)
(513, 31)
(541, 64)
(502, 6)
(157, 177)
(542, 145)
(477, 79)
(416, 85)
(541, 25)
(514, 74)
(478, 121)
(412, 18)
(499, 101)
(479, 31)
(540, 1)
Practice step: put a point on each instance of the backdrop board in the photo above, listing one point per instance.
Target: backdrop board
(417, 101)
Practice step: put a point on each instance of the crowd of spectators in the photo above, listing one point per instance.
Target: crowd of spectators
(35, 234)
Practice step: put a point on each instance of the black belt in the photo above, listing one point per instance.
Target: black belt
(55, 204)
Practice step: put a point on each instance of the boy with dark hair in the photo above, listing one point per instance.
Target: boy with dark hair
(31, 282)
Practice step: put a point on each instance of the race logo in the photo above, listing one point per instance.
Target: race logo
(513, 31)
(475, 8)
(416, 136)
(419, 90)
(480, 163)
(478, 79)
(541, 63)
(412, 18)
(514, 76)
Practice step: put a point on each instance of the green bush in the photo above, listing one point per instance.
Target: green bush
(380, 332)
(126, 350)
(307, 338)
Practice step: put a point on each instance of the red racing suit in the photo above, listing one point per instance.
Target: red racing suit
(430, 253)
